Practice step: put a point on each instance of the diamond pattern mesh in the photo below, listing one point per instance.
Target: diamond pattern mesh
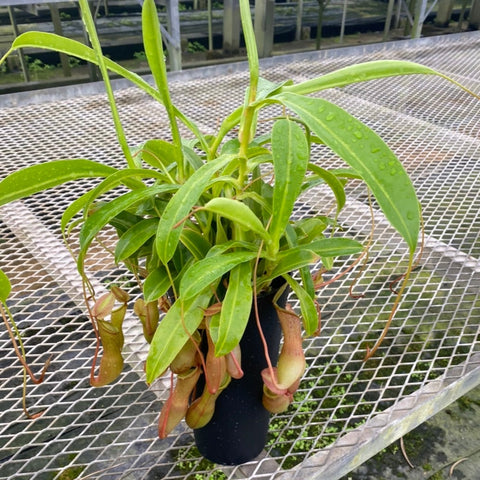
(345, 409)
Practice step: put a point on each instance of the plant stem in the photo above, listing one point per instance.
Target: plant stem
(92, 33)
(248, 116)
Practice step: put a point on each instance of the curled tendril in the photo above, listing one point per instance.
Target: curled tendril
(19, 349)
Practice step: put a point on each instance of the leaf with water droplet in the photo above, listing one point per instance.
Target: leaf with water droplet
(360, 72)
(358, 134)
(394, 193)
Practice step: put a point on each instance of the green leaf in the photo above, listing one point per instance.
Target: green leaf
(123, 221)
(239, 213)
(38, 178)
(266, 88)
(194, 160)
(334, 247)
(236, 307)
(333, 182)
(361, 72)
(5, 287)
(205, 272)
(160, 154)
(226, 126)
(195, 242)
(293, 259)
(51, 41)
(367, 153)
(290, 160)
(156, 284)
(153, 44)
(311, 228)
(238, 245)
(128, 177)
(169, 230)
(173, 331)
(107, 212)
(135, 237)
(72, 209)
(297, 257)
(307, 306)
(307, 281)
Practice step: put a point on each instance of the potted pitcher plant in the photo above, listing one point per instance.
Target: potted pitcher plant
(205, 225)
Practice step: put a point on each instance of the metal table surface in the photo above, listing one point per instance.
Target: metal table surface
(346, 410)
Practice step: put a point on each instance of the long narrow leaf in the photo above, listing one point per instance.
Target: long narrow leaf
(107, 212)
(173, 332)
(128, 177)
(168, 234)
(307, 254)
(196, 244)
(38, 178)
(205, 272)
(5, 287)
(362, 72)
(293, 260)
(152, 40)
(368, 154)
(290, 159)
(57, 43)
(90, 28)
(135, 237)
(156, 284)
(334, 247)
(236, 307)
(239, 213)
(307, 306)
(153, 44)
(160, 154)
(333, 182)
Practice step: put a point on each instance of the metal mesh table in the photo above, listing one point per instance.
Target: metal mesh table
(346, 410)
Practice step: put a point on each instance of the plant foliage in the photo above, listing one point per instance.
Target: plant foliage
(205, 223)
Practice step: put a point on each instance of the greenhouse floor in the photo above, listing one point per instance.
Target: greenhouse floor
(447, 446)
(346, 410)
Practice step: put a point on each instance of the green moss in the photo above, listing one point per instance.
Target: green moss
(437, 476)
(71, 473)
(195, 467)
(467, 403)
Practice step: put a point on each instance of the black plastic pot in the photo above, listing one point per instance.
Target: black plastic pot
(238, 430)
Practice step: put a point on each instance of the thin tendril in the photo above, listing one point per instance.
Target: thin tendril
(367, 249)
(371, 352)
(417, 261)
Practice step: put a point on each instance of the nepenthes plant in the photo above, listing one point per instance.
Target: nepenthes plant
(205, 223)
